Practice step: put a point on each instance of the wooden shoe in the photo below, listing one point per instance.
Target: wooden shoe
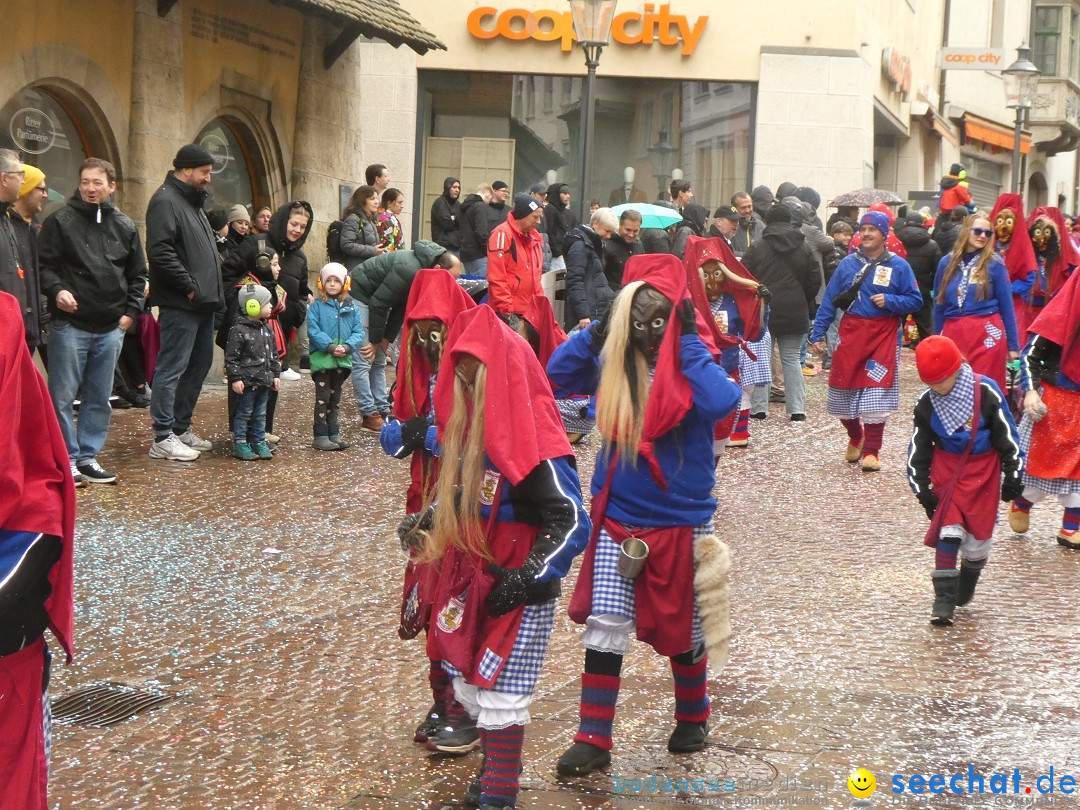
(870, 463)
(738, 442)
(853, 452)
(1069, 539)
(1019, 521)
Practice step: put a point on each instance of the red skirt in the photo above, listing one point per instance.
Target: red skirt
(1055, 439)
(463, 631)
(663, 591)
(974, 502)
(24, 777)
(982, 342)
(865, 354)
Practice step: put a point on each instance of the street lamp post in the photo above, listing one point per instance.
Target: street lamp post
(662, 157)
(1021, 82)
(592, 28)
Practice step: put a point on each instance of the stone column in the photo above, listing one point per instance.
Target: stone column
(158, 105)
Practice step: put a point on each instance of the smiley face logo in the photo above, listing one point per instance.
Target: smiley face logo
(862, 783)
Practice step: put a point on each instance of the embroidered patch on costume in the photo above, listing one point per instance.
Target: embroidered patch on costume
(993, 336)
(882, 275)
(489, 664)
(875, 371)
(488, 487)
(450, 616)
(721, 319)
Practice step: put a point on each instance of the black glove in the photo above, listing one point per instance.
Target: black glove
(411, 530)
(1011, 488)
(764, 294)
(598, 333)
(514, 587)
(413, 433)
(687, 317)
(929, 502)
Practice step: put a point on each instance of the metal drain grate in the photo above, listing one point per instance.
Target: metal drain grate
(104, 704)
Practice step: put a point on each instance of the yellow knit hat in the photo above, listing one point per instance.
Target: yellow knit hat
(31, 179)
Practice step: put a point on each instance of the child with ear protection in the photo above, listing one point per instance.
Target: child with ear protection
(335, 330)
(253, 367)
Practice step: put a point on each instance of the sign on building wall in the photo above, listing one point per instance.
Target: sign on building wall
(652, 24)
(971, 58)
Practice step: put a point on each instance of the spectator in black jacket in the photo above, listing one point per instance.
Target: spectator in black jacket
(445, 216)
(474, 228)
(18, 244)
(782, 261)
(559, 220)
(948, 228)
(289, 229)
(93, 272)
(658, 240)
(500, 193)
(923, 255)
(623, 244)
(186, 286)
(588, 295)
(694, 223)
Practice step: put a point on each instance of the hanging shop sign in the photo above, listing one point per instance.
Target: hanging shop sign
(897, 69)
(32, 131)
(651, 24)
(971, 58)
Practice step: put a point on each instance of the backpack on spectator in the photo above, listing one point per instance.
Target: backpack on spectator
(333, 242)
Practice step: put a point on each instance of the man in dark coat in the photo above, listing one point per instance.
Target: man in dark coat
(923, 254)
(474, 230)
(186, 286)
(763, 200)
(588, 295)
(445, 215)
(19, 274)
(782, 261)
(559, 220)
(623, 244)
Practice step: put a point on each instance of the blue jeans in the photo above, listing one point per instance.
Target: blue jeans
(369, 377)
(477, 267)
(187, 350)
(87, 359)
(249, 424)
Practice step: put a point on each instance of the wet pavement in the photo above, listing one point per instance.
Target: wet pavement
(263, 598)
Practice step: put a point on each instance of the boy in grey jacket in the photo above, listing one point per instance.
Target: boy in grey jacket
(253, 367)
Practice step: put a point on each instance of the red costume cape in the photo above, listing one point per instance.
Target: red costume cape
(522, 425)
(1020, 257)
(435, 294)
(1059, 322)
(1069, 258)
(751, 308)
(541, 317)
(37, 493)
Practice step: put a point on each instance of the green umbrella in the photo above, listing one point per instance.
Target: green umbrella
(652, 216)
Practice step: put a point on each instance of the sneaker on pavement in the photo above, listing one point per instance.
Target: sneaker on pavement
(262, 450)
(374, 423)
(172, 449)
(94, 473)
(809, 371)
(454, 739)
(193, 441)
(290, 375)
(78, 477)
(272, 439)
(243, 451)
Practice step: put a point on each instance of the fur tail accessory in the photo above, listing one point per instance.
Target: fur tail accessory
(712, 560)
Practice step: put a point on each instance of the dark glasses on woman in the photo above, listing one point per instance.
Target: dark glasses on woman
(981, 231)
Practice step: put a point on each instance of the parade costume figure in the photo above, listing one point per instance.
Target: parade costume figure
(660, 394)
(1013, 244)
(37, 528)
(505, 524)
(1050, 428)
(973, 301)
(963, 444)
(1055, 258)
(435, 301)
(876, 290)
(737, 304)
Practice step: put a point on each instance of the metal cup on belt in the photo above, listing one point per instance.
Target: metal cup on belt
(632, 554)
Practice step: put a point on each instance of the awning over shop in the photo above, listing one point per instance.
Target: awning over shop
(994, 134)
(377, 19)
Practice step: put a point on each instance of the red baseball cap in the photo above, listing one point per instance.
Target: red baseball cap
(937, 357)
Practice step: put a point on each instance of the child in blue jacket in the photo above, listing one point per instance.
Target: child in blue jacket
(335, 330)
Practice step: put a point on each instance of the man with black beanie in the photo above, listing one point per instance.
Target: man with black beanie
(516, 258)
(186, 286)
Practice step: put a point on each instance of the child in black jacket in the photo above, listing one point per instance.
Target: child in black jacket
(253, 368)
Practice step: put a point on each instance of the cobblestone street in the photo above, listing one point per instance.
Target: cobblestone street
(263, 598)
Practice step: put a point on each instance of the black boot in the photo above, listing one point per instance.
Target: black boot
(475, 787)
(582, 758)
(969, 577)
(430, 725)
(945, 585)
(688, 737)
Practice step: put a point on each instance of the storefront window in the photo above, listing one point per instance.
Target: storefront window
(648, 126)
(232, 174)
(36, 126)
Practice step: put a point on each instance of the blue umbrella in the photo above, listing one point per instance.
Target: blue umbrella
(652, 216)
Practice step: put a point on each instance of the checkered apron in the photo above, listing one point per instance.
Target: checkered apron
(851, 403)
(756, 372)
(575, 414)
(522, 669)
(613, 594)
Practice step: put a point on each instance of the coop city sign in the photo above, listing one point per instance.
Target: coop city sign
(651, 24)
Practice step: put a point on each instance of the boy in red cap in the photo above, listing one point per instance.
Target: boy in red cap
(964, 439)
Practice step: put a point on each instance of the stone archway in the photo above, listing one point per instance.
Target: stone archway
(1037, 190)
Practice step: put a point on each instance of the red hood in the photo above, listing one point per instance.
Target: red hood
(1020, 257)
(751, 308)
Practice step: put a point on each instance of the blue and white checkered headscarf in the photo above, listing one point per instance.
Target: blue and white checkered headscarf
(956, 407)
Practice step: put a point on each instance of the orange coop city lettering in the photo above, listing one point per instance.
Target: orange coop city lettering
(652, 24)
